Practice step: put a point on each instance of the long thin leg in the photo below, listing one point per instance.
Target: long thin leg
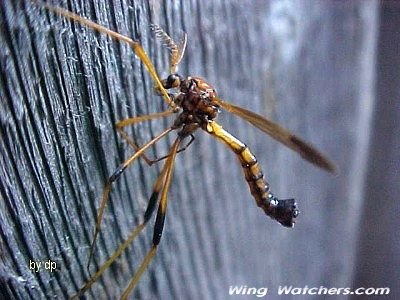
(135, 147)
(114, 177)
(149, 161)
(131, 121)
(159, 225)
(159, 183)
(192, 138)
(139, 51)
(134, 120)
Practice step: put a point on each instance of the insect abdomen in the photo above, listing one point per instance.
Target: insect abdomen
(284, 211)
(259, 188)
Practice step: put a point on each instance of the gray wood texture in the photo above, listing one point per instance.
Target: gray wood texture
(309, 65)
(379, 244)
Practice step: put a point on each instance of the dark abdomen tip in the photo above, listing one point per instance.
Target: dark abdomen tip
(286, 212)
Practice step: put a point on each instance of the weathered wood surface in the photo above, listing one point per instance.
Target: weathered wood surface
(307, 64)
(378, 261)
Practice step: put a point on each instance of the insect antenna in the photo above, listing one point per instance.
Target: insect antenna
(176, 50)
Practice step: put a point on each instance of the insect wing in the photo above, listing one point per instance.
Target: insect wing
(281, 134)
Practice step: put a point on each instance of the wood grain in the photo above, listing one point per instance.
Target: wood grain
(307, 65)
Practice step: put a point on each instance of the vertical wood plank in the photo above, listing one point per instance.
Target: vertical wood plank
(308, 65)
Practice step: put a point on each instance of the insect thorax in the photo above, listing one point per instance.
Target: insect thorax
(196, 98)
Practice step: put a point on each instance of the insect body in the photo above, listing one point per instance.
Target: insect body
(197, 105)
(200, 106)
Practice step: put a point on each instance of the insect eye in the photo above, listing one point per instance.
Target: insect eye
(173, 81)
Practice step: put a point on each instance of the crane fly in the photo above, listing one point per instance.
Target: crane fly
(196, 104)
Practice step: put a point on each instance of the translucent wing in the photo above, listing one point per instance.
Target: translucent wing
(282, 135)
